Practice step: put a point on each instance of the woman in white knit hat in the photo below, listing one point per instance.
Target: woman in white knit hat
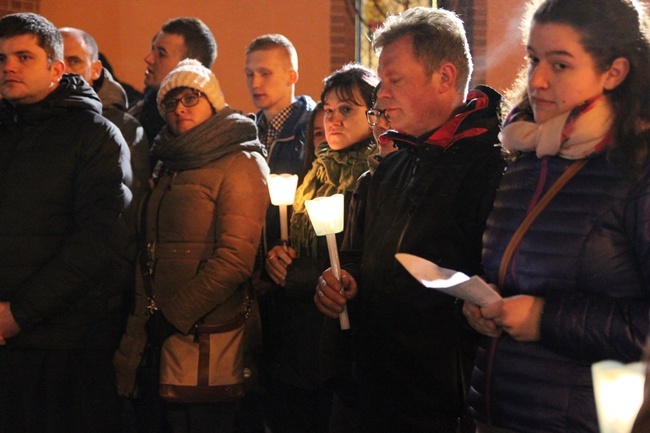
(202, 223)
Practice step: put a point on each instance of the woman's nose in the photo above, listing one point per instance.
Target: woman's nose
(334, 117)
(538, 77)
(180, 108)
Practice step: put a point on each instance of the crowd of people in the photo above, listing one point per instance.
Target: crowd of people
(128, 225)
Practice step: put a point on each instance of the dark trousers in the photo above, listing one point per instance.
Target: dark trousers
(294, 410)
(57, 391)
(385, 405)
(202, 418)
(484, 428)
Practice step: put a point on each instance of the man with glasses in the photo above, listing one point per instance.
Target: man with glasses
(431, 198)
(374, 115)
(380, 122)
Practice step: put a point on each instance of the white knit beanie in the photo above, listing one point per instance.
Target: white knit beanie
(191, 73)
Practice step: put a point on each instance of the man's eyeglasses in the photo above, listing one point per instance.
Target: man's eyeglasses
(373, 115)
(188, 100)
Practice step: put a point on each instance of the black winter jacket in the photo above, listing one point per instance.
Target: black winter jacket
(588, 256)
(114, 104)
(61, 195)
(431, 198)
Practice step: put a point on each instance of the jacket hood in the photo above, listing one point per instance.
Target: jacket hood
(110, 92)
(72, 93)
(476, 119)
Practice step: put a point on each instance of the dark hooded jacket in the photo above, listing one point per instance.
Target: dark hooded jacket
(431, 198)
(114, 106)
(146, 111)
(61, 194)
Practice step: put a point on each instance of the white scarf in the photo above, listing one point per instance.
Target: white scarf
(583, 131)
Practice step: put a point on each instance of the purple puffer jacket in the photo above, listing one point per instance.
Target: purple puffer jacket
(588, 256)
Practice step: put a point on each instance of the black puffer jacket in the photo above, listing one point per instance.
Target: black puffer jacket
(588, 256)
(431, 198)
(61, 195)
(114, 104)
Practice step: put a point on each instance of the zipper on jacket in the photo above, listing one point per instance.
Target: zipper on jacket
(151, 246)
(411, 211)
(167, 187)
(416, 165)
(272, 146)
(151, 259)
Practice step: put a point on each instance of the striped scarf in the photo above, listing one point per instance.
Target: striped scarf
(583, 131)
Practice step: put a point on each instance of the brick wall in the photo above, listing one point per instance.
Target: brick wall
(342, 37)
(478, 41)
(13, 6)
(472, 12)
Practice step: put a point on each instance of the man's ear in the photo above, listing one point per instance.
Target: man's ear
(616, 73)
(447, 74)
(95, 70)
(293, 77)
(57, 68)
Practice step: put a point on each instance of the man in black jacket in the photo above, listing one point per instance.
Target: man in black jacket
(431, 198)
(81, 57)
(62, 167)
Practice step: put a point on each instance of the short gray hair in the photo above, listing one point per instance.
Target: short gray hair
(87, 38)
(438, 35)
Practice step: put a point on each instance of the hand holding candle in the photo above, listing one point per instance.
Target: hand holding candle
(326, 215)
(278, 259)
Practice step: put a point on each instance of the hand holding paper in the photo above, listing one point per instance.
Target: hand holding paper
(448, 281)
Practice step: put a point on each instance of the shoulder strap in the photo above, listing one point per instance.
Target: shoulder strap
(528, 221)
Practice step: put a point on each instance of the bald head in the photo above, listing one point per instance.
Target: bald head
(81, 54)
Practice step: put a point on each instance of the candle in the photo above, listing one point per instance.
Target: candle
(282, 188)
(326, 215)
(618, 389)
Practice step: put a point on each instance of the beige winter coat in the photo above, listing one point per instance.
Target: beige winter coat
(204, 226)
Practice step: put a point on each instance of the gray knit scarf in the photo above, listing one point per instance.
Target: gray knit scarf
(220, 135)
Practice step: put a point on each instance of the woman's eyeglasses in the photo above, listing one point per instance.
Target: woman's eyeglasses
(188, 100)
(373, 115)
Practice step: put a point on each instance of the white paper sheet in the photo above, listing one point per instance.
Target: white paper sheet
(448, 281)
